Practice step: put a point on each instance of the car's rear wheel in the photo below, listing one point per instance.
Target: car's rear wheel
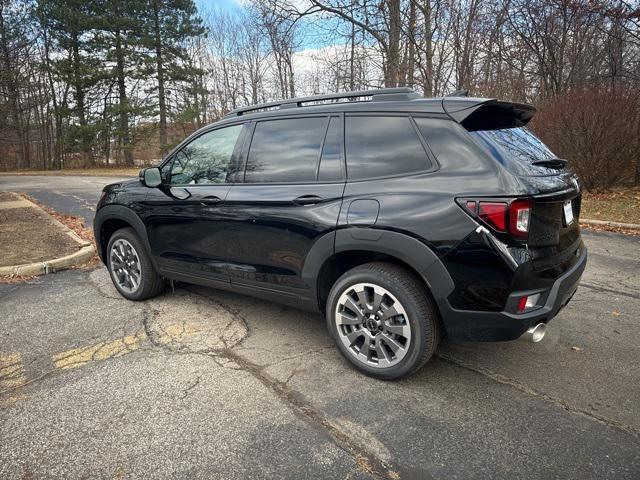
(130, 266)
(383, 320)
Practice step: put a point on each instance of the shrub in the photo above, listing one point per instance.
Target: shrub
(598, 131)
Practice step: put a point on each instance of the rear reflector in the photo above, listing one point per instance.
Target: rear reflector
(526, 303)
(522, 304)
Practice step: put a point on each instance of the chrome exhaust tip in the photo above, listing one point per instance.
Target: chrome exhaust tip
(536, 333)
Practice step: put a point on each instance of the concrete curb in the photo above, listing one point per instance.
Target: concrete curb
(50, 266)
(606, 223)
(87, 250)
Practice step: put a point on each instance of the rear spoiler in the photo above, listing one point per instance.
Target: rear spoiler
(487, 114)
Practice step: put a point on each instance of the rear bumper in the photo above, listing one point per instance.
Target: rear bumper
(469, 325)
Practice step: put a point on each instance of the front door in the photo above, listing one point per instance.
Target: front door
(184, 215)
(289, 199)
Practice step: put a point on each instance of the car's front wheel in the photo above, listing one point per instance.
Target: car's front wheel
(383, 320)
(130, 266)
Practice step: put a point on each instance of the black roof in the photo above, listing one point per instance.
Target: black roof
(384, 99)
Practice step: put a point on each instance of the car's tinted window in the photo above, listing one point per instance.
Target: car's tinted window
(285, 150)
(331, 161)
(516, 149)
(206, 159)
(379, 146)
(449, 142)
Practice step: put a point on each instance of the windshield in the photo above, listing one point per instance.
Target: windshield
(516, 149)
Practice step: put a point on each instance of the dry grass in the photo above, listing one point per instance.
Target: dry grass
(93, 172)
(613, 205)
(74, 223)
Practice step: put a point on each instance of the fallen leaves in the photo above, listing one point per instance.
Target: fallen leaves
(618, 205)
(610, 228)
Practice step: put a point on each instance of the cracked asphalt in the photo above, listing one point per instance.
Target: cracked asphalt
(199, 383)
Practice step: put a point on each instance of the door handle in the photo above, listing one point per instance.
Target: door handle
(307, 200)
(209, 200)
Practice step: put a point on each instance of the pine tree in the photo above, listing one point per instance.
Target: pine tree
(118, 23)
(70, 24)
(170, 24)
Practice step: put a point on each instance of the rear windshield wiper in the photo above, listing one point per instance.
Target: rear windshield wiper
(557, 163)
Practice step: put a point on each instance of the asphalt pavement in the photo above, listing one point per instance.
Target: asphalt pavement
(72, 195)
(199, 383)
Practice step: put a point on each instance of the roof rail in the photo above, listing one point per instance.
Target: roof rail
(391, 94)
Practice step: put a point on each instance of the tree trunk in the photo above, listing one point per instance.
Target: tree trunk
(411, 55)
(636, 176)
(85, 142)
(292, 85)
(162, 101)
(56, 161)
(391, 75)
(428, 34)
(12, 93)
(123, 107)
(352, 60)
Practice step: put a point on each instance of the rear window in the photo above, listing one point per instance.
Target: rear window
(516, 149)
(379, 146)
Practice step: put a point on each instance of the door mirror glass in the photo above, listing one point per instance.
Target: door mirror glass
(150, 177)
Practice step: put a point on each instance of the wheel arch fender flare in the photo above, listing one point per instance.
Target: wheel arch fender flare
(123, 213)
(399, 245)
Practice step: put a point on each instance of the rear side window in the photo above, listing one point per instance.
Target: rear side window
(285, 150)
(379, 146)
(450, 143)
(516, 149)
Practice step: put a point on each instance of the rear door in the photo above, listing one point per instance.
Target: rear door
(184, 215)
(288, 199)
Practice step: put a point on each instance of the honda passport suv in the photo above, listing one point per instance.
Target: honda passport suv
(401, 219)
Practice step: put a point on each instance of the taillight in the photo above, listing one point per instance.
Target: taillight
(495, 214)
(507, 215)
(519, 217)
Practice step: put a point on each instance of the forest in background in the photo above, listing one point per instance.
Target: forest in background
(117, 82)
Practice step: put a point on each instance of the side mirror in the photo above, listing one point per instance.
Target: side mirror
(151, 177)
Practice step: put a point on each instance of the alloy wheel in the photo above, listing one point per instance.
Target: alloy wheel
(373, 325)
(125, 265)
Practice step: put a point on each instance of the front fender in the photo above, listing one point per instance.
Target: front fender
(124, 214)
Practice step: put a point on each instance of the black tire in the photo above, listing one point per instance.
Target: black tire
(422, 315)
(151, 284)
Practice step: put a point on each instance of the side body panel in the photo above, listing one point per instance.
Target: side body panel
(186, 229)
(120, 202)
(269, 236)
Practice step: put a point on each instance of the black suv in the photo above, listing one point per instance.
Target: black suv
(400, 218)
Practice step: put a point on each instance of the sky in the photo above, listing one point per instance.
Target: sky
(312, 38)
(315, 41)
(221, 4)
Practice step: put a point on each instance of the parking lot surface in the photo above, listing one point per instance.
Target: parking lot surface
(200, 383)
